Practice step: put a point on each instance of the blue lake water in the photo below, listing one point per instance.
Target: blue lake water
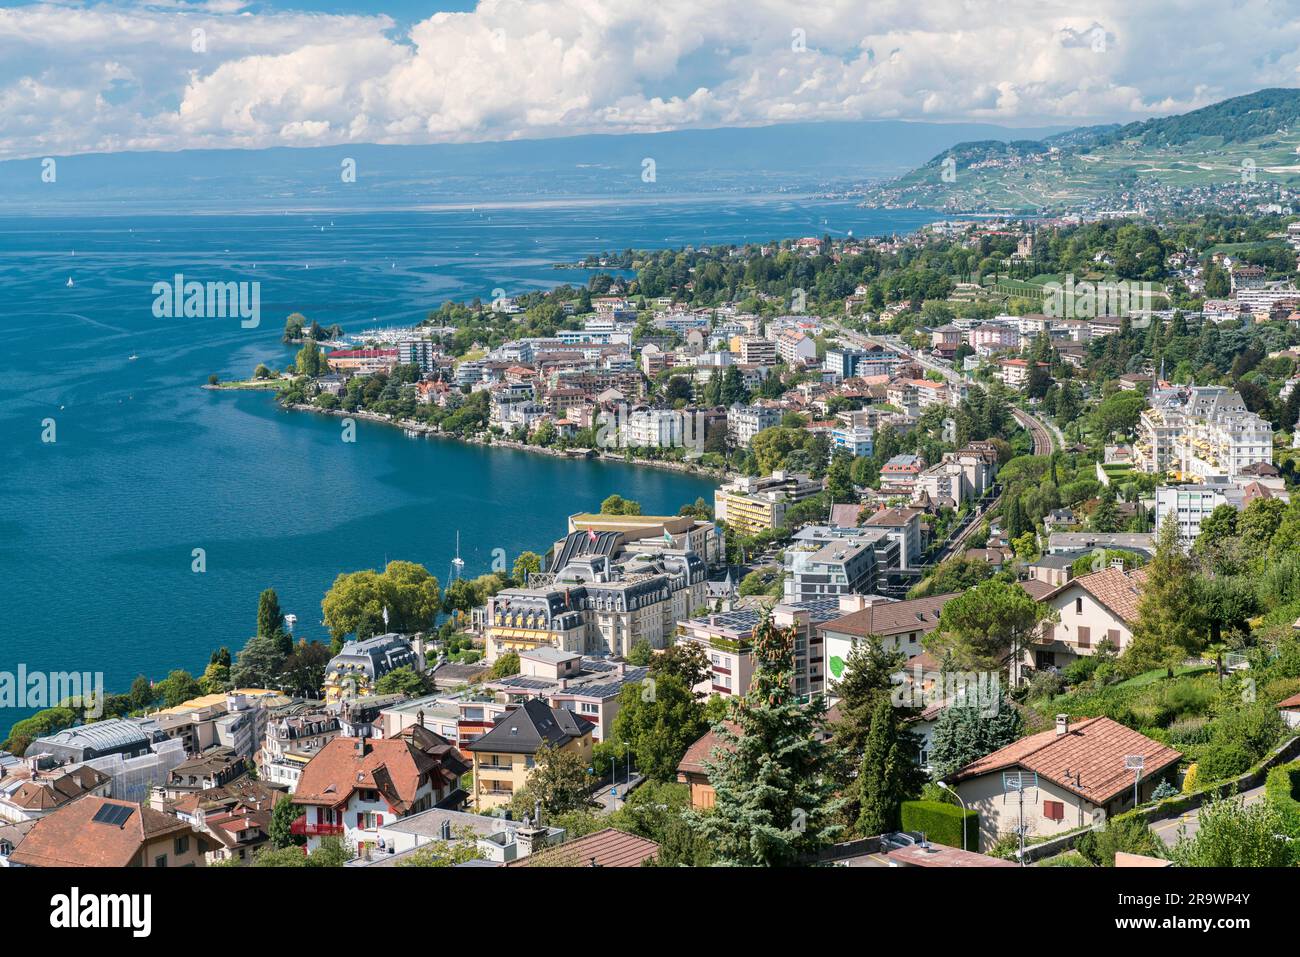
(97, 528)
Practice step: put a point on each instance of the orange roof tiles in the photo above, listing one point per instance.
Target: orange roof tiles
(607, 848)
(1092, 751)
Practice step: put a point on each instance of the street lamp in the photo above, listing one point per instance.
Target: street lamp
(948, 788)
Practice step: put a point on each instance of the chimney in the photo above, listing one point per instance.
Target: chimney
(1062, 724)
(622, 668)
(363, 746)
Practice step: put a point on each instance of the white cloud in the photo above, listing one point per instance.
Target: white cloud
(112, 76)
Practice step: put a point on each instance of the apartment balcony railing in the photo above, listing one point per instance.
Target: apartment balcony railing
(304, 829)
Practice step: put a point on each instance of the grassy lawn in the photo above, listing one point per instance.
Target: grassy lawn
(1159, 674)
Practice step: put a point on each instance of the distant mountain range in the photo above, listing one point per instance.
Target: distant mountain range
(1248, 144)
(808, 157)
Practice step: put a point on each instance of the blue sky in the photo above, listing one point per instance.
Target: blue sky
(112, 75)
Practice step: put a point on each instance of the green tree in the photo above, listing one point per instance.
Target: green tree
(1129, 834)
(283, 815)
(1168, 626)
(270, 619)
(659, 719)
(775, 802)
(177, 687)
(142, 694)
(505, 666)
(618, 505)
(1259, 522)
(559, 780)
(889, 774)
(356, 601)
(839, 478)
(989, 627)
(1231, 833)
(404, 680)
(965, 732)
(863, 681)
(528, 563)
(215, 679)
(258, 664)
(640, 653)
(685, 661)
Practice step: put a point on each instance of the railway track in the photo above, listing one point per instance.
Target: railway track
(1039, 432)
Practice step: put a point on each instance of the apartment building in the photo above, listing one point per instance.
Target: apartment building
(856, 440)
(795, 348)
(746, 421)
(900, 626)
(293, 737)
(589, 687)
(1201, 433)
(656, 429)
(753, 504)
(354, 786)
(905, 525)
(844, 566)
(726, 640)
(649, 534)
(596, 606)
(847, 362)
(506, 754)
(992, 337)
(755, 350)
(1189, 505)
(1014, 373)
(355, 669)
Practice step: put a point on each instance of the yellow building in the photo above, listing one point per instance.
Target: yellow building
(506, 754)
(749, 504)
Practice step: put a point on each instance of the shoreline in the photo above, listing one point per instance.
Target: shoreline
(407, 425)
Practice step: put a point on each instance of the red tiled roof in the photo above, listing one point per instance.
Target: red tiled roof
(392, 766)
(1117, 589)
(692, 761)
(1290, 703)
(608, 848)
(70, 837)
(1092, 751)
(891, 617)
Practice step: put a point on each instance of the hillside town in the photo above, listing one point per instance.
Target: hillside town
(1002, 568)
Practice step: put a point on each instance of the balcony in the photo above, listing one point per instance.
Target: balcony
(303, 829)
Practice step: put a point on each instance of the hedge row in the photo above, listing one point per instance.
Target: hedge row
(1282, 791)
(942, 823)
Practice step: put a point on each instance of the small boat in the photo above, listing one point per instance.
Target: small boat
(457, 563)
(132, 357)
(70, 282)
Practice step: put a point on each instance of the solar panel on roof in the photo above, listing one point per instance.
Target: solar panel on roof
(114, 815)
